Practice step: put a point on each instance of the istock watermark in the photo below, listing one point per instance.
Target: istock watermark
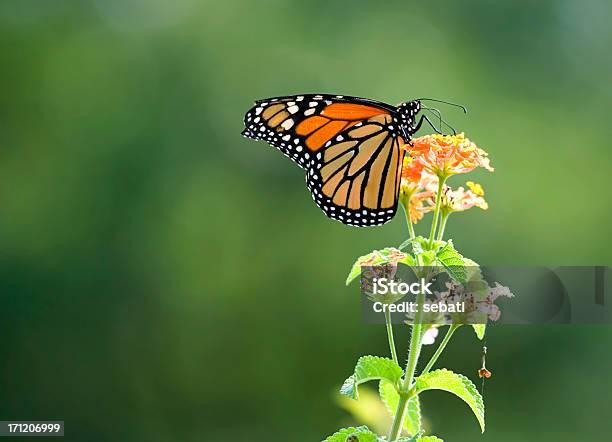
(477, 295)
(382, 286)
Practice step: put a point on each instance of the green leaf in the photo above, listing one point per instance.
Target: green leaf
(358, 434)
(429, 439)
(390, 397)
(454, 263)
(479, 329)
(457, 384)
(379, 257)
(428, 258)
(371, 368)
(449, 256)
(372, 259)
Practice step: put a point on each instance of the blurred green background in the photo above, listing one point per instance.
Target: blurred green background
(162, 278)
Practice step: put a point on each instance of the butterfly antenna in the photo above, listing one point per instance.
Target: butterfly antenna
(435, 111)
(442, 120)
(463, 108)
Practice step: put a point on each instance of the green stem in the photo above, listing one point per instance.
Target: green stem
(405, 201)
(443, 225)
(415, 343)
(440, 348)
(415, 340)
(413, 358)
(396, 428)
(390, 335)
(434, 223)
(410, 226)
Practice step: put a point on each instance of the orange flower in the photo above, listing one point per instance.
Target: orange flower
(416, 189)
(446, 155)
(420, 203)
(412, 170)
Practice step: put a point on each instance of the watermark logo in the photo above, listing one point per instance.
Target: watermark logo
(479, 295)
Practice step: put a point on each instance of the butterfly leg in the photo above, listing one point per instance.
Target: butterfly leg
(425, 118)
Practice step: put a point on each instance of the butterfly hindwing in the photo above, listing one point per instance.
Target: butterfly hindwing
(355, 178)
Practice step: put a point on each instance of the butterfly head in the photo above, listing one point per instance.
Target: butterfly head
(407, 113)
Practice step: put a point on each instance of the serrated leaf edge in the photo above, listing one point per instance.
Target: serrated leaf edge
(467, 384)
(350, 385)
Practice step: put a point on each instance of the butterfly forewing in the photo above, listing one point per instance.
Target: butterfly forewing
(299, 125)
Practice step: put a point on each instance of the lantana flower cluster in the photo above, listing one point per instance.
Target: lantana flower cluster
(446, 155)
(431, 159)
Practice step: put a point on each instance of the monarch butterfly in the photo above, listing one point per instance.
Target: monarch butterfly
(351, 148)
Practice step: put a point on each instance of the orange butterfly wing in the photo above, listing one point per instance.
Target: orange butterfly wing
(350, 148)
(300, 125)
